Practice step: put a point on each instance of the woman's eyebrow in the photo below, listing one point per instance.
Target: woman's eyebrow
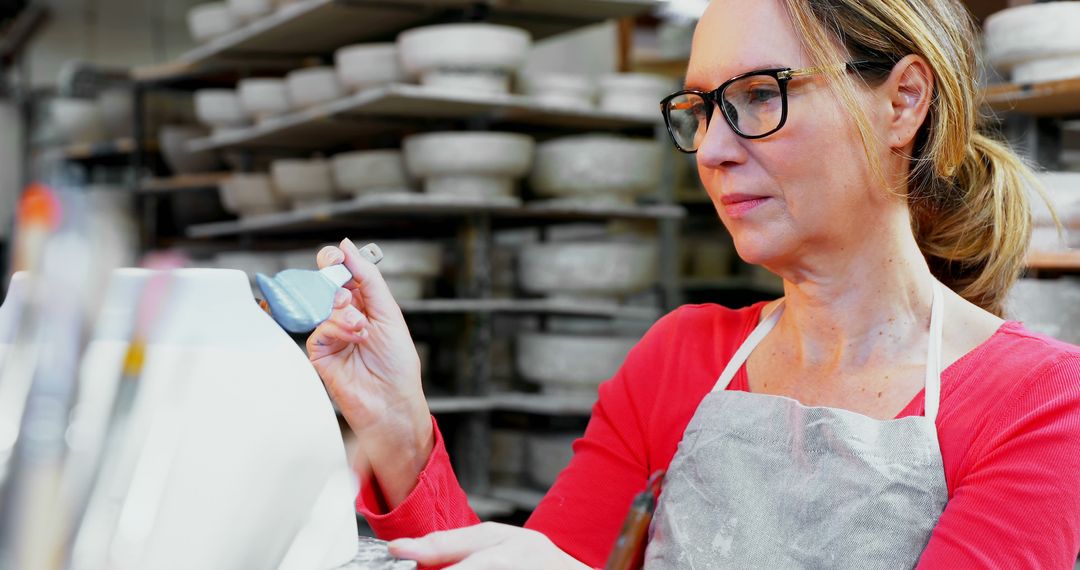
(697, 84)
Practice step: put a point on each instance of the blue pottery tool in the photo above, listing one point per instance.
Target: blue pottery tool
(300, 299)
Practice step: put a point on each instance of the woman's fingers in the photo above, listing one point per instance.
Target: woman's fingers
(450, 546)
(349, 318)
(330, 337)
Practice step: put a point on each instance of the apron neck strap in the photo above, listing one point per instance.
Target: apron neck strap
(932, 393)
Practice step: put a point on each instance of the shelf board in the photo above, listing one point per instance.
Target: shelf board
(529, 306)
(1040, 99)
(318, 27)
(1054, 260)
(95, 151)
(396, 108)
(521, 497)
(182, 182)
(459, 404)
(490, 507)
(544, 404)
(411, 206)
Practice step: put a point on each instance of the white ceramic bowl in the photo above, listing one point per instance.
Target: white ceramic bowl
(635, 94)
(368, 65)
(263, 97)
(173, 140)
(547, 456)
(365, 172)
(570, 364)
(1063, 189)
(117, 112)
(208, 21)
(313, 85)
(565, 90)
(303, 182)
(219, 108)
(596, 165)
(588, 269)
(409, 258)
(1050, 69)
(250, 10)
(77, 120)
(406, 287)
(1032, 32)
(471, 57)
(469, 164)
(251, 194)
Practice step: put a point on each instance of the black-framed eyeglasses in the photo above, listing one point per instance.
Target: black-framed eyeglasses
(754, 104)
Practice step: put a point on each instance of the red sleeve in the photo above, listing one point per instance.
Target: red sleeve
(585, 508)
(436, 503)
(1018, 506)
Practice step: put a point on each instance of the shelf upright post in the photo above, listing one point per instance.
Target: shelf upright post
(670, 288)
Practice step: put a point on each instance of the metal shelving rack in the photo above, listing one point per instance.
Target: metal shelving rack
(311, 30)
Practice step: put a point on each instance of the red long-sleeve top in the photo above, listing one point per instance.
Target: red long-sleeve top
(1008, 424)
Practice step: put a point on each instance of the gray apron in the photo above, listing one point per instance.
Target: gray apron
(762, 481)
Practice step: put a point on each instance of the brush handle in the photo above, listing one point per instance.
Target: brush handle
(339, 275)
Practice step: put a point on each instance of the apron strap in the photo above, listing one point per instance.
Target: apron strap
(932, 385)
(748, 346)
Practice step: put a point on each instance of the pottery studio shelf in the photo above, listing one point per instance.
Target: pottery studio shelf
(523, 498)
(99, 151)
(1050, 98)
(383, 207)
(394, 109)
(539, 404)
(1066, 261)
(182, 183)
(528, 306)
(317, 27)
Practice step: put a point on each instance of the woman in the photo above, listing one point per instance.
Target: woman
(880, 415)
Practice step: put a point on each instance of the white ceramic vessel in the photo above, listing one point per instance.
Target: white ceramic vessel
(173, 140)
(211, 20)
(304, 182)
(1048, 306)
(115, 106)
(547, 455)
(368, 65)
(219, 108)
(563, 90)
(77, 120)
(313, 85)
(588, 269)
(366, 172)
(245, 11)
(570, 364)
(469, 164)
(466, 57)
(223, 386)
(636, 94)
(251, 194)
(1023, 35)
(596, 166)
(263, 97)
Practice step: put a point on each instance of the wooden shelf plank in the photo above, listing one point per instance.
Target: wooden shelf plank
(529, 306)
(1039, 99)
(459, 404)
(398, 108)
(544, 404)
(1055, 260)
(413, 206)
(317, 27)
(182, 182)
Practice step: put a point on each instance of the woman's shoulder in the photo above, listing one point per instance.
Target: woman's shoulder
(1036, 354)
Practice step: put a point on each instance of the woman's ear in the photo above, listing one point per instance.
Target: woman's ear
(910, 88)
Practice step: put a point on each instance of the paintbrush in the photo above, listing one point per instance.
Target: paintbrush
(629, 550)
(300, 299)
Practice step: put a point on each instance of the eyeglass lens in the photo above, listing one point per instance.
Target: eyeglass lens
(752, 105)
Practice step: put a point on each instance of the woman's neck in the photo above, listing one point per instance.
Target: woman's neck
(869, 304)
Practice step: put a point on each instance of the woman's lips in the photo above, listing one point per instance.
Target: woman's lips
(739, 205)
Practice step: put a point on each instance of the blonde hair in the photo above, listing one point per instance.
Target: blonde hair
(966, 191)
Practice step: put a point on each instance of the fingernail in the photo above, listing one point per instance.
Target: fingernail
(363, 333)
(352, 316)
(337, 257)
(348, 243)
(341, 296)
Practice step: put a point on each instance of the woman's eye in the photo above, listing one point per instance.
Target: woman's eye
(762, 94)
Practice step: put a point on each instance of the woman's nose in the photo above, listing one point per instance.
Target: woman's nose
(721, 147)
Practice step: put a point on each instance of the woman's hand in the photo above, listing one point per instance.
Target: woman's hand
(368, 362)
(489, 546)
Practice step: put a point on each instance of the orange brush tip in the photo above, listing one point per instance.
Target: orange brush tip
(39, 206)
